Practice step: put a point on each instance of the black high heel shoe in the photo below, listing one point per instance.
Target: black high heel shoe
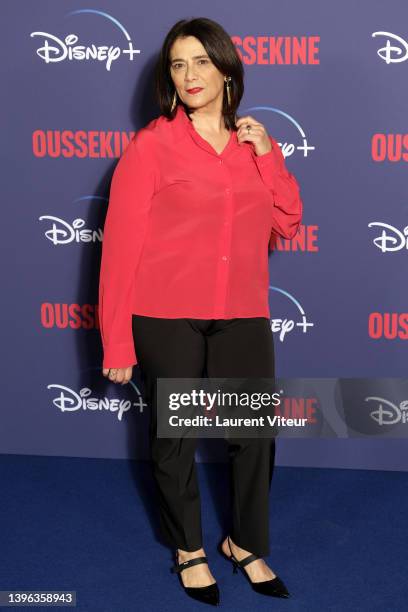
(274, 587)
(207, 594)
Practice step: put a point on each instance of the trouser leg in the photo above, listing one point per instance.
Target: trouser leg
(172, 348)
(243, 348)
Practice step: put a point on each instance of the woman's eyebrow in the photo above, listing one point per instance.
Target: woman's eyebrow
(180, 59)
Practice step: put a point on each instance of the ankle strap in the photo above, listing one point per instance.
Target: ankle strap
(247, 560)
(179, 567)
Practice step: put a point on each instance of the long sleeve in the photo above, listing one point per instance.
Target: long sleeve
(131, 190)
(288, 206)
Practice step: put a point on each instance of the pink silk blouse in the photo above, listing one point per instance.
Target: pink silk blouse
(187, 231)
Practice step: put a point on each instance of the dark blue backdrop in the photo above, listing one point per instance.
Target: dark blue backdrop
(329, 82)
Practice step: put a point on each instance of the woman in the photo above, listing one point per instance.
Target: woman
(184, 281)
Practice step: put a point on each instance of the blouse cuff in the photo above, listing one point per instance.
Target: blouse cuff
(270, 167)
(265, 159)
(119, 355)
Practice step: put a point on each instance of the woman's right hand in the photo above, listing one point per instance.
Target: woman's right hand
(118, 375)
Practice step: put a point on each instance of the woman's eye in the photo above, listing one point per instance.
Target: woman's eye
(177, 66)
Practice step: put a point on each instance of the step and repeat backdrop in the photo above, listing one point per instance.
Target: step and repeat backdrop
(329, 82)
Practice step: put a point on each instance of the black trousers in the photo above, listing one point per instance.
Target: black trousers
(186, 348)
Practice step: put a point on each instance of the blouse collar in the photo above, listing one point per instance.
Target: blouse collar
(187, 124)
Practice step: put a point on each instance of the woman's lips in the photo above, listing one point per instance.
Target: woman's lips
(194, 90)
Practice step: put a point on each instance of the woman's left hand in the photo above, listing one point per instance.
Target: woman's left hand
(257, 134)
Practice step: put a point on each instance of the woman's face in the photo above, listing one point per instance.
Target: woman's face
(190, 66)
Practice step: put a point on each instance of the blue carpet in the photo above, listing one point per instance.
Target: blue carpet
(338, 537)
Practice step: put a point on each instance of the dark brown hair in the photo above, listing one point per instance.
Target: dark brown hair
(222, 53)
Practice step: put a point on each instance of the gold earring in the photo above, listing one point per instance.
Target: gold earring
(227, 80)
(174, 101)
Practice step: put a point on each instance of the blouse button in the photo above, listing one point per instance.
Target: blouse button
(220, 161)
(224, 258)
(228, 190)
